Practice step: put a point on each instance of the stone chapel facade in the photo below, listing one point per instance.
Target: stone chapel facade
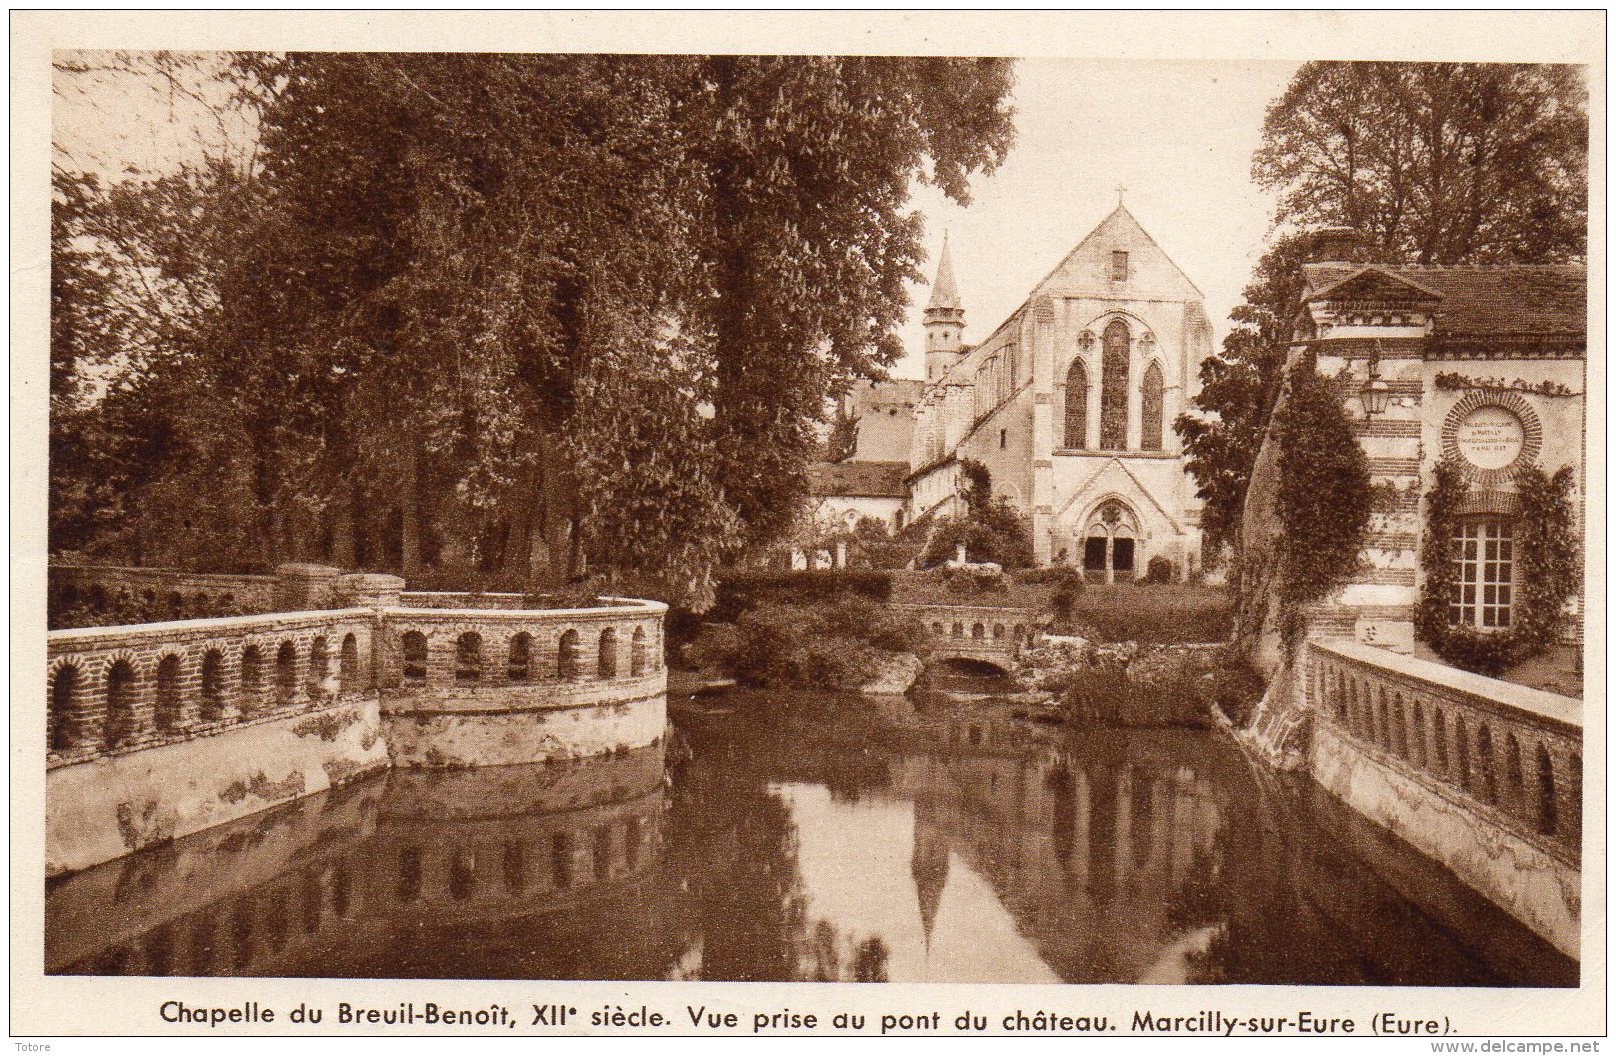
(1070, 404)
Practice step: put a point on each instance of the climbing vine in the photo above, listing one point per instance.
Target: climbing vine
(1547, 563)
(1324, 494)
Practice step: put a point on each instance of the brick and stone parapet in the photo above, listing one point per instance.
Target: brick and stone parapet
(467, 648)
(992, 633)
(113, 690)
(171, 592)
(1510, 755)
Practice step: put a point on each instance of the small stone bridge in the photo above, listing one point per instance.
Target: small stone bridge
(985, 634)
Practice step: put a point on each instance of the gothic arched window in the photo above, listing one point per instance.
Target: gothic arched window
(1114, 387)
(1077, 406)
(1150, 409)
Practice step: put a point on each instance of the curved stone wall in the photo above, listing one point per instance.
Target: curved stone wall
(153, 731)
(489, 687)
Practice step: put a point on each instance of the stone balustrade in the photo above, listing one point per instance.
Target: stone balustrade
(157, 730)
(480, 687)
(1511, 755)
(165, 593)
(440, 648)
(113, 690)
(991, 634)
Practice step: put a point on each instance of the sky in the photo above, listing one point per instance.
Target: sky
(1176, 136)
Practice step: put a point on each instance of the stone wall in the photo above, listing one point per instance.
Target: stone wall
(158, 730)
(165, 593)
(480, 687)
(106, 807)
(1482, 775)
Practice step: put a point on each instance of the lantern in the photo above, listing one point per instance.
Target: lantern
(1377, 391)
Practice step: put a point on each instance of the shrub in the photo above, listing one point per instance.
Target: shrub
(827, 645)
(1161, 570)
(1132, 612)
(740, 591)
(1061, 604)
(1061, 577)
(995, 533)
(1160, 688)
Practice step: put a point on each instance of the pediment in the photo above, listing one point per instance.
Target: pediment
(1115, 480)
(1371, 283)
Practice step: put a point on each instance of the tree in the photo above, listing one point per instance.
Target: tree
(1437, 163)
(990, 529)
(1434, 163)
(1323, 495)
(549, 314)
(1224, 430)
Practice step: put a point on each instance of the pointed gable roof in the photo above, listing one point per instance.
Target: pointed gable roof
(1496, 299)
(1121, 226)
(1370, 282)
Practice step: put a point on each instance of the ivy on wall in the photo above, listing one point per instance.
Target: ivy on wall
(1547, 564)
(1452, 381)
(1324, 494)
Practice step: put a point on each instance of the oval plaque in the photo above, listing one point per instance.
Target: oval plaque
(1490, 437)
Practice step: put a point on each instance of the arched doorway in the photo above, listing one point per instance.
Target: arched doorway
(1110, 543)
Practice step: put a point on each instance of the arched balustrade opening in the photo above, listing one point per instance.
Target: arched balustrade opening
(413, 650)
(569, 657)
(348, 663)
(252, 679)
(286, 673)
(519, 659)
(62, 714)
(212, 686)
(468, 658)
(167, 703)
(120, 725)
(1548, 811)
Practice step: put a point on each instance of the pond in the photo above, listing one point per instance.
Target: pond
(779, 836)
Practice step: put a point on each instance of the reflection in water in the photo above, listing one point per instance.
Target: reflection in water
(810, 837)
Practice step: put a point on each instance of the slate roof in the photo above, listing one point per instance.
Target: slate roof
(858, 480)
(1502, 299)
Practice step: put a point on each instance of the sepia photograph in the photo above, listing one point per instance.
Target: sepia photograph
(782, 515)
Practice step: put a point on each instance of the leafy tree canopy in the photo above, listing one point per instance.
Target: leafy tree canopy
(583, 310)
(1437, 163)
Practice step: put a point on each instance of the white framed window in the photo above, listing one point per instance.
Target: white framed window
(1484, 557)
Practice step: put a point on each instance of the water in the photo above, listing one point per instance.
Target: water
(806, 837)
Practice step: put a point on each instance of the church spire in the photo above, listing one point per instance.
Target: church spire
(928, 865)
(944, 319)
(944, 294)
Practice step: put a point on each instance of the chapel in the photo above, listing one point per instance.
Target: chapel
(1070, 402)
